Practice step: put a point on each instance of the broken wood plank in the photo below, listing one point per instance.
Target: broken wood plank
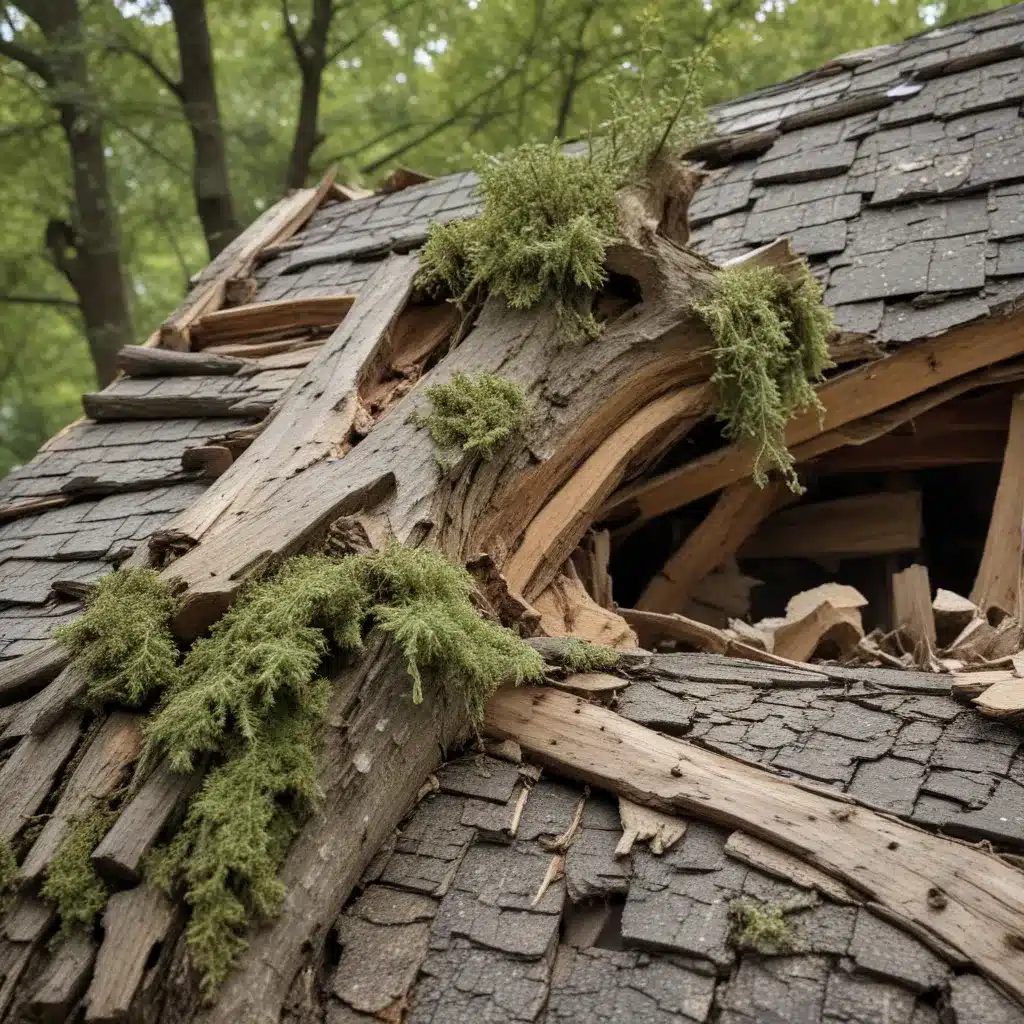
(266, 321)
(778, 863)
(737, 513)
(952, 613)
(825, 628)
(1002, 699)
(839, 595)
(43, 709)
(962, 895)
(28, 774)
(972, 684)
(136, 361)
(208, 460)
(24, 676)
(998, 582)
(642, 824)
(29, 919)
(31, 506)
(106, 406)
(102, 770)
(259, 350)
(850, 396)
(866, 524)
(912, 612)
(591, 684)
(134, 922)
(64, 980)
(566, 609)
(140, 822)
(275, 226)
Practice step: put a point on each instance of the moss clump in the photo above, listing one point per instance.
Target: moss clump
(8, 872)
(771, 345)
(71, 880)
(548, 217)
(478, 414)
(583, 656)
(251, 693)
(123, 639)
(760, 927)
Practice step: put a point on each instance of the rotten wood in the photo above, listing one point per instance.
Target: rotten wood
(24, 676)
(41, 711)
(998, 582)
(269, 321)
(956, 894)
(208, 460)
(738, 512)
(104, 406)
(566, 609)
(137, 361)
(134, 922)
(642, 824)
(103, 769)
(851, 396)
(64, 980)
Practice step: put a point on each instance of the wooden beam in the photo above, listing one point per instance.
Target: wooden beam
(907, 452)
(107, 406)
(958, 894)
(267, 321)
(866, 524)
(738, 512)
(137, 361)
(851, 396)
(998, 583)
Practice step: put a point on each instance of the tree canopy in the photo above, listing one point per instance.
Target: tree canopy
(139, 135)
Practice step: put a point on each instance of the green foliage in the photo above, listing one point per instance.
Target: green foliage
(123, 638)
(478, 414)
(8, 871)
(760, 927)
(250, 694)
(71, 880)
(771, 345)
(583, 656)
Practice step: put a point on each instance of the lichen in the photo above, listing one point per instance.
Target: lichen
(477, 414)
(249, 695)
(771, 346)
(71, 880)
(548, 217)
(760, 927)
(122, 639)
(582, 656)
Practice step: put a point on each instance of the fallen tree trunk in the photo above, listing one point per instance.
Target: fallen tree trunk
(948, 892)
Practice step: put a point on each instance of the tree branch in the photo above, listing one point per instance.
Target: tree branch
(122, 45)
(39, 300)
(28, 59)
(290, 33)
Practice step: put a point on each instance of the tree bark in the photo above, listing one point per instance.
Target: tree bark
(311, 55)
(198, 94)
(87, 251)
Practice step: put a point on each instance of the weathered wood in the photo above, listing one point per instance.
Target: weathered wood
(642, 824)
(29, 919)
(41, 711)
(30, 507)
(136, 361)
(824, 626)
(566, 609)
(275, 226)
(998, 583)
(962, 895)
(140, 822)
(591, 684)
(866, 524)
(105, 406)
(209, 460)
(850, 396)
(912, 612)
(259, 350)
(952, 613)
(266, 321)
(101, 771)
(27, 776)
(64, 980)
(908, 452)
(738, 512)
(24, 676)
(1002, 699)
(134, 922)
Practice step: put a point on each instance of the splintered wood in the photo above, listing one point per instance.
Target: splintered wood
(948, 892)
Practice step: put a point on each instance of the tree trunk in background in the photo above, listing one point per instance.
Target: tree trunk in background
(198, 94)
(311, 55)
(88, 251)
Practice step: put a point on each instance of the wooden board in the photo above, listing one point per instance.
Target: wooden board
(738, 512)
(264, 321)
(912, 612)
(850, 396)
(958, 894)
(909, 452)
(998, 583)
(867, 524)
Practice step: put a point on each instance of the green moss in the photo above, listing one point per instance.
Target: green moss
(548, 218)
(760, 927)
(478, 414)
(8, 872)
(582, 656)
(71, 880)
(123, 639)
(771, 346)
(250, 694)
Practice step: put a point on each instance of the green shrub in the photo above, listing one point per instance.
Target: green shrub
(122, 640)
(771, 345)
(478, 414)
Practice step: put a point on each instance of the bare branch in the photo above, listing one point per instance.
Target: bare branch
(39, 300)
(289, 31)
(122, 45)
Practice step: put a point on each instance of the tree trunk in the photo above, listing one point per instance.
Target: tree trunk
(198, 91)
(311, 55)
(89, 252)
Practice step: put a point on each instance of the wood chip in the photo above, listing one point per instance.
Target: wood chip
(645, 825)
